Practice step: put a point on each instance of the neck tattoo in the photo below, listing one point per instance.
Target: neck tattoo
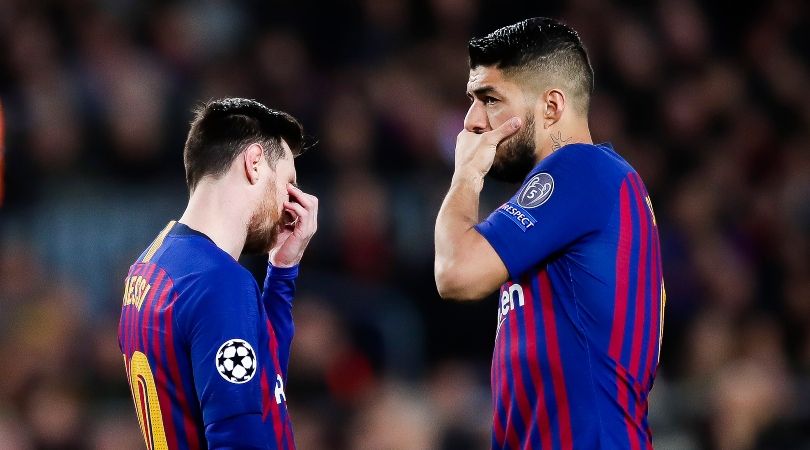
(558, 141)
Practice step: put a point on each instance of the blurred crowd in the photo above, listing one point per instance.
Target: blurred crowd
(710, 102)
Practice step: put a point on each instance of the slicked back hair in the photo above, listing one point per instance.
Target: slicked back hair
(540, 47)
(222, 129)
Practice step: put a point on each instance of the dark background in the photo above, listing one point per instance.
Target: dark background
(708, 101)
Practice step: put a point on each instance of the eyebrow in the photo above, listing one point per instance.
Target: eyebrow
(483, 90)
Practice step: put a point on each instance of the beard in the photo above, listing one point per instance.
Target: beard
(263, 228)
(515, 156)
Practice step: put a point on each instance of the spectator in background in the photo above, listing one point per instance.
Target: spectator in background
(720, 138)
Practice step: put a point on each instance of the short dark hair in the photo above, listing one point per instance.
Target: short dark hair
(538, 45)
(221, 129)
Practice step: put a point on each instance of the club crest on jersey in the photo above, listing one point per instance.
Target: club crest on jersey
(236, 361)
(536, 191)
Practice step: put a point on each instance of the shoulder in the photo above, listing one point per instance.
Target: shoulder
(197, 260)
(592, 167)
(204, 275)
(588, 157)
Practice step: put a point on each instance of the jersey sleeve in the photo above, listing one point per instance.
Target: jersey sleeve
(220, 320)
(563, 200)
(277, 298)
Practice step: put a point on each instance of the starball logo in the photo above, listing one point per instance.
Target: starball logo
(537, 191)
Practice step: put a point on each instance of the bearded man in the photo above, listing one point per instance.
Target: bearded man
(575, 251)
(205, 350)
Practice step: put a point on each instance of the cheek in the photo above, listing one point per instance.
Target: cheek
(499, 114)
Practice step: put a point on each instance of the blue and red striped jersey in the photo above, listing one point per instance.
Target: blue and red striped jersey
(580, 319)
(205, 352)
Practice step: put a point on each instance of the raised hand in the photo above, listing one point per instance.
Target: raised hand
(475, 152)
(295, 236)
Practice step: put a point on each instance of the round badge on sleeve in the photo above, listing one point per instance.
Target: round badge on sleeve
(236, 361)
(536, 191)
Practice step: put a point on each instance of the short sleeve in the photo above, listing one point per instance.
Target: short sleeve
(563, 199)
(220, 323)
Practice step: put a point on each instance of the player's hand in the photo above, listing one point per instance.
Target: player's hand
(475, 152)
(301, 217)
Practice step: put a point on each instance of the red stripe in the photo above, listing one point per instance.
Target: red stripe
(189, 427)
(622, 271)
(655, 289)
(646, 382)
(520, 390)
(265, 387)
(655, 298)
(273, 344)
(143, 324)
(655, 328)
(511, 433)
(140, 323)
(544, 424)
(555, 361)
(499, 432)
(135, 324)
(288, 432)
(620, 310)
(496, 385)
(641, 283)
(641, 309)
(164, 396)
(654, 323)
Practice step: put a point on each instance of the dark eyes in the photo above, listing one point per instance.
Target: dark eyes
(487, 100)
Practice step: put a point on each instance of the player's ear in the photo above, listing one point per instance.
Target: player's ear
(553, 105)
(252, 158)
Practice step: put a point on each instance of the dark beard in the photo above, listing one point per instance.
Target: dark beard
(515, 156)
(263, 229)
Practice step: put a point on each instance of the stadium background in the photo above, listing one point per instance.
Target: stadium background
(710, 102)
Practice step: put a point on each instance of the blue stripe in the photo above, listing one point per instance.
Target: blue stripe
(577, 370)
(632, 284)
(545, 370)
(528, 383)
(183, 362)
(176, 415)
(514, 411)
(641, 377)
(283, 417)
(497, 362)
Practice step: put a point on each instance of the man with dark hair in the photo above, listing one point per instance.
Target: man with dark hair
(575, 251)
(205, 350)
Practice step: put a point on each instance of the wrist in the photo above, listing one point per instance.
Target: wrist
(282, 271)
(278, 263)
(468, 178)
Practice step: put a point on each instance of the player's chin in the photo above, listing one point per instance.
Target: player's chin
(508, 173)
(262, 243)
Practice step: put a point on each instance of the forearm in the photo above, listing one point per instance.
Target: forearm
(277, 298)
(457, 217)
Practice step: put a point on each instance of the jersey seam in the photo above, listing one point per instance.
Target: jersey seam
(613, 213)
(607, 220)
(587, 347)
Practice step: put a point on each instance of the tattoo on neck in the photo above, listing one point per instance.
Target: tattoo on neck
(558, 141)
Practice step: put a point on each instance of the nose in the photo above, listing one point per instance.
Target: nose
(476, 119)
